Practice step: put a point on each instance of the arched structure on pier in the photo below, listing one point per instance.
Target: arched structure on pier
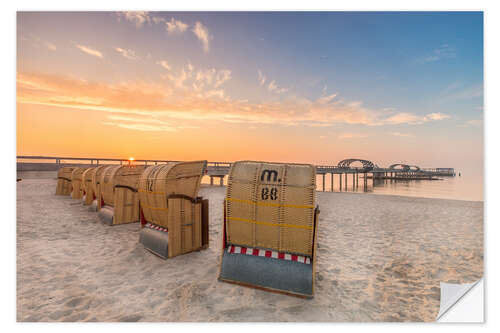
(346, 164)
(405, 167)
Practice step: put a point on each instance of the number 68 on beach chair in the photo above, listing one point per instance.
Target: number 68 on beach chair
(270, 227)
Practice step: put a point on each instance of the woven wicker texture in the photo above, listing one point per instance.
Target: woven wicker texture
(118, 189)
(184, 230)
(158, 182)
(88, 189)
(96, 182)
(271, 206)
(64, 181)
(76, 183)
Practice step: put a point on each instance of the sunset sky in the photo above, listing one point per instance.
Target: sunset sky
(297, 87)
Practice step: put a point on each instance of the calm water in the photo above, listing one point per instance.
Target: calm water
(466, 187)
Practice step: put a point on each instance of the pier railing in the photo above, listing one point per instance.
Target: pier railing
(214, 168)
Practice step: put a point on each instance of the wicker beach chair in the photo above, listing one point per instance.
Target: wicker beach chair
(77, 182)
(64, 181)
(88, 189)
(96, 187)
(174, 219)
(270, 227)
(118, 198)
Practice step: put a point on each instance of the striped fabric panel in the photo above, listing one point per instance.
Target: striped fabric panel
(155, 227)
(268, 254)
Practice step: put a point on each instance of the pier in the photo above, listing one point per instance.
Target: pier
(217, 171)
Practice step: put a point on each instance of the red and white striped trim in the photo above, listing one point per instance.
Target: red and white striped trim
(268, 254)
(155, 227)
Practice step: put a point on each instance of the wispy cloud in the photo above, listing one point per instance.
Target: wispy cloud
(273, 87)
(89, 51)
(344, 136)
(459, 90)
(262, 78)
(164, 64)
(37, 41)
(185, 73)
(50, 46)
(221, 77)
(136, 17)
(202, 33)
(436, 116)
(200, 79)
(143, 124)
(472, 123)
(444, 51)
(176, 100)
(175, 26)
(327, 99)
(404, 135)
(127, 53)
(414, 119)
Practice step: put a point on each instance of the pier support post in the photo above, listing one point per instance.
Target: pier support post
(221, 180)
(346, 181)
(331, 187)
(211, 181)
(340, 182)
(357, 179)
(324, 181)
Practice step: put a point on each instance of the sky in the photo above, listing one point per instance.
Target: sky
(307, 87)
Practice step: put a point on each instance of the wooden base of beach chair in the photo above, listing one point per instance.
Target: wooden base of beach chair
(188, 232)
(269, 270)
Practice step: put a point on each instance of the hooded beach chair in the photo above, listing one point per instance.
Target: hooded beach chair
(118, 197)
(174, 219)
(77, 182)
(270, 227)
(96, 186)
(88, 189)
(64, 181)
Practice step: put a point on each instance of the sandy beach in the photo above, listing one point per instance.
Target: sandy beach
(380, 258)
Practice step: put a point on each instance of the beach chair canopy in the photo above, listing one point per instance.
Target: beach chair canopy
(119, 199)
(174, 218)
(77, 182)
(160, 182)
(271, 206)
(64, 181)
(88, 189)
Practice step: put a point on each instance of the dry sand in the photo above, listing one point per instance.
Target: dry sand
(380, 258)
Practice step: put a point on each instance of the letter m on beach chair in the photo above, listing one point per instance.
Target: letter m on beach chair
(270, 227)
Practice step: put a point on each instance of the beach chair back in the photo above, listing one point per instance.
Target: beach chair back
(174, 218)
(64, 181)
(270, 227)
(76, 183)
(118, 194)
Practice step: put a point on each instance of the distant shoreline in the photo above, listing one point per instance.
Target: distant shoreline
(53, 174)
